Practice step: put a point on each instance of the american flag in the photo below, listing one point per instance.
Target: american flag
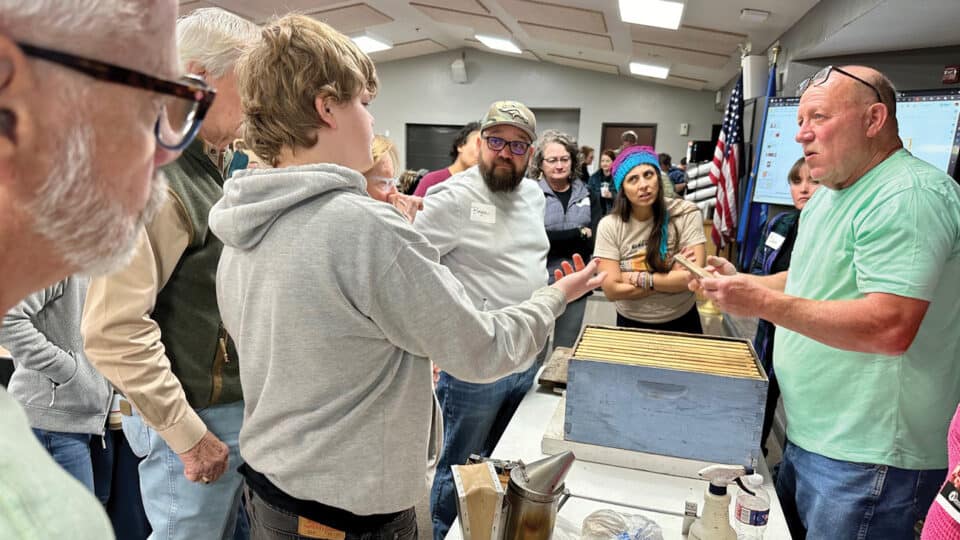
(724, 172)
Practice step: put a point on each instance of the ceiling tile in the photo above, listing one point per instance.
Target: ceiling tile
(584, 64)
(470, 6)
(572, 18)
(682, 82)
(352, 19)
(409, 49)
(260, 11)
(568, 37)
(689, 37)
(670, 55)
(190, 5)
(481, 24)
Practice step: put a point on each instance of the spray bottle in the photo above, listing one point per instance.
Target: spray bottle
(714, 524)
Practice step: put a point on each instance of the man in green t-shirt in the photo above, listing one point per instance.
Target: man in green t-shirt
(867, 355)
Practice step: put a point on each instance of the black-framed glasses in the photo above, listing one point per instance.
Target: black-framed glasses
(517, 148)
(821, 77)
(182, 111)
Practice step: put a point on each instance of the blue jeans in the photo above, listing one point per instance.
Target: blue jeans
(827, 498)
(176, 507)
(474, 418)
(567, 328)
(118, 485)
(72, 452)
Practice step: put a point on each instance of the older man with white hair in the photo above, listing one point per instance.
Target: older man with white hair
(82, 134)
(153, 328)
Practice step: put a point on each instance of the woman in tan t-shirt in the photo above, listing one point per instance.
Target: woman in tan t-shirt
(636, 243)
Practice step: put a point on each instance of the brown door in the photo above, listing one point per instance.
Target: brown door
(610, 137)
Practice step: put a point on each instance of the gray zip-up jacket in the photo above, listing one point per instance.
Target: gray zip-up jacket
(335, 303)
(53, 381)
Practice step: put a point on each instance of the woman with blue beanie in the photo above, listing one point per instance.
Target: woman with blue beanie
(636, 243)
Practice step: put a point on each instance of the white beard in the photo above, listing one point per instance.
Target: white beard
(89, 229)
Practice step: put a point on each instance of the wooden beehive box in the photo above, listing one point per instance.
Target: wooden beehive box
(680, 395)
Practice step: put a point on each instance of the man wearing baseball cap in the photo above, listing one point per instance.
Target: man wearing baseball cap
(487, 224)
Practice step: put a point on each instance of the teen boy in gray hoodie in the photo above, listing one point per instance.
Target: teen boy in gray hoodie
(336, 303)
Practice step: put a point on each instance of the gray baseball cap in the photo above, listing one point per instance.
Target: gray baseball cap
(510, 113)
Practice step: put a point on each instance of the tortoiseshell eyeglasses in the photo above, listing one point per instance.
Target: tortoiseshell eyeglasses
(183, 109)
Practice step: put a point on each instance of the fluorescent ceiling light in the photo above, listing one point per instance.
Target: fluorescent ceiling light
(649, 70)
(499, 44)
(369, 44)
(659, 13)
(754, 15)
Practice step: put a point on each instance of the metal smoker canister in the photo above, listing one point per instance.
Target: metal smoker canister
(534, 495)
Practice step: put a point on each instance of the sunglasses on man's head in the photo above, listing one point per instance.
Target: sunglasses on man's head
(517, 148)
(821, 77)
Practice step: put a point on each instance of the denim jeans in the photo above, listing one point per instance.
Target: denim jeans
(474, 418)
(567, 328)
(176, 507)
(71, 451)
(840, 500)
(117, 484)
(270, 523)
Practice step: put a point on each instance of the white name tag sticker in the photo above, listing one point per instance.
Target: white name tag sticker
(584, 202)
(483, 213)
(775, 240)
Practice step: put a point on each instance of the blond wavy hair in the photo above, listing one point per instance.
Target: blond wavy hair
(297, 60)
(383, 146)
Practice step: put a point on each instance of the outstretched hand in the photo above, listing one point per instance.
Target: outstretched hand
(577, 279)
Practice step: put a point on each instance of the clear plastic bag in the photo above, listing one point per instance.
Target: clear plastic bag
(564, 529)
(608, 524)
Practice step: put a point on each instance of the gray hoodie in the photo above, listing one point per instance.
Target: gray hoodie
(53, 380)
(335, 304)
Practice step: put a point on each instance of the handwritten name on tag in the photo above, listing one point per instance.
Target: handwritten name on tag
(775, 240)
(483, 213)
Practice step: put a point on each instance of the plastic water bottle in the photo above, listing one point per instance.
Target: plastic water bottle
(752, 510)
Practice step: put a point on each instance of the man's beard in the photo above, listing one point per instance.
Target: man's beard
(88, 228)
(498, 179)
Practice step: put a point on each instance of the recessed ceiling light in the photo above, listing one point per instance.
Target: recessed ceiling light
(499, 44)
(649, 70)
(754, 15)
(659, 13)
(370, 44)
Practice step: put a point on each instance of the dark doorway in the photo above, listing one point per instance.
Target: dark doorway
(428, 145)
(610, 135)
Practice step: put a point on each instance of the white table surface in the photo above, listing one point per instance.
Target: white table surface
(656, 493)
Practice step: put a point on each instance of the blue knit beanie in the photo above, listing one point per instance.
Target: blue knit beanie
(629, 158)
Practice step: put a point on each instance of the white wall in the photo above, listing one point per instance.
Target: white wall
(420, 90)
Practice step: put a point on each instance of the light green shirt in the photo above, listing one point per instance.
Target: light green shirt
(896, 230)
(38, 499)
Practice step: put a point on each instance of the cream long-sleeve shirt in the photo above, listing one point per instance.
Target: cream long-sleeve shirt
(123, 342)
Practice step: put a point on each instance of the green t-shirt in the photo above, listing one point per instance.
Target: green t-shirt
(897, 231)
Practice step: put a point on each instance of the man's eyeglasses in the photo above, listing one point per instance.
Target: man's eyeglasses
(517, 148)
(821, 77)
(554, 160)
(184, 107)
